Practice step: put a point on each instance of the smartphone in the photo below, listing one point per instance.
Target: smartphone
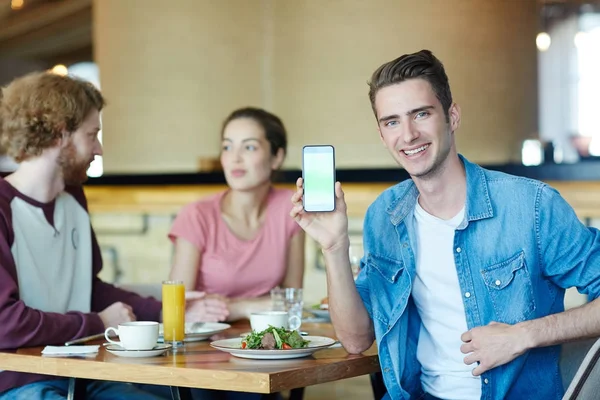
(318, 172)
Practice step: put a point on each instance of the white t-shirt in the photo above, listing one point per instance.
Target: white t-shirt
(437, 295)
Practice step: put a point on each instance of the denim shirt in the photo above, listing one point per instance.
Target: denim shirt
(517, 250)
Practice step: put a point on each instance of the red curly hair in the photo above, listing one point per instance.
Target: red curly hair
(39, 108)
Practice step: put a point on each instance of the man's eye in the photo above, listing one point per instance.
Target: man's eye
(422, 114)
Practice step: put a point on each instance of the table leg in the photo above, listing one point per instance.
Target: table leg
(377, 385)
(297, 394)
(76, 389)
(181, 393)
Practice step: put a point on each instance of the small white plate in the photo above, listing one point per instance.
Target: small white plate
(234, 347)
(121, 352)
(320, 313)
(197, 332)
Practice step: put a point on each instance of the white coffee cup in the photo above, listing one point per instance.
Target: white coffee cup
(136, 335)
(259, 321)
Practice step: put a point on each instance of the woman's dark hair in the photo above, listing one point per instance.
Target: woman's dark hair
(274, 129)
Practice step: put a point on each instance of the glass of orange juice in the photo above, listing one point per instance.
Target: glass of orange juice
(173, 312)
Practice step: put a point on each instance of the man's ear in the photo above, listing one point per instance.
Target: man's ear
(454, 116)
(277, 159)
(63, 139)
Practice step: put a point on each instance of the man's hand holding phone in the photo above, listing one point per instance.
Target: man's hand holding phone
(329, 229)
(320, 209)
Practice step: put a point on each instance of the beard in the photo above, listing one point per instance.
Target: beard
(74, 169)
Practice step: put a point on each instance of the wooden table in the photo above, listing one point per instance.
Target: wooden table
(201, 366)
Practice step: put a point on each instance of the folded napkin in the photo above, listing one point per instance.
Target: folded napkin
(69, 350)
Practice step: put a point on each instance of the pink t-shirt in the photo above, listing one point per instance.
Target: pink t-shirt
(231, 266)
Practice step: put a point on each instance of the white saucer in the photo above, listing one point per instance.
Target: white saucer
(197, 331)
(121, 352)
(320, 313)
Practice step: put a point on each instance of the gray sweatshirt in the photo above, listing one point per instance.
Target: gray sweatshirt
(49, 289)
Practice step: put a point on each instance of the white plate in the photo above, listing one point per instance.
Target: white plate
(234, 347)
(202, 332)
(121, 352)
(320, 313)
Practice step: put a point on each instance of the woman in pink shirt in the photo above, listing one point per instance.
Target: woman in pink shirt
(239, 244)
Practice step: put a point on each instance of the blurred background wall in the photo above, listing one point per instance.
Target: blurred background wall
(172, 72)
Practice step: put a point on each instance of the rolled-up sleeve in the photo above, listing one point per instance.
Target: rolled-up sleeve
(569, 251)
(362, 286)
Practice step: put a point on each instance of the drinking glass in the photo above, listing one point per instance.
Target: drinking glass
(173, 312)
(294, 305)
(356, 253)
(278, 299)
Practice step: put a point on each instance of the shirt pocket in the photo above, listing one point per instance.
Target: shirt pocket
(389, 287)
(510, 289)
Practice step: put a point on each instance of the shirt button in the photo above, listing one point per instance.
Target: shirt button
(497, 282)
(386, 370)
(486, 381)
(405, 244)
(458, 249)
(468, 294)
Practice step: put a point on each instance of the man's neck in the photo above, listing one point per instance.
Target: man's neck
(445, 194)
(39, 179)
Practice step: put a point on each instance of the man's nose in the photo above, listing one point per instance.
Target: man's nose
(98, 148)
(409, 132)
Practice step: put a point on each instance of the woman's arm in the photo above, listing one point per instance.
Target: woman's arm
(241, 308)
(294, 277)
(186, 260)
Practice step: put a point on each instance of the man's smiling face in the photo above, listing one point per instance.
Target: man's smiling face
(414, 128)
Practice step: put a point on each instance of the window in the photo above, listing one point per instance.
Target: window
(587, 42)
(569, 84)
(89, 71)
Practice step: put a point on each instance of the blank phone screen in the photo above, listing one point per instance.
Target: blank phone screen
(318, 171)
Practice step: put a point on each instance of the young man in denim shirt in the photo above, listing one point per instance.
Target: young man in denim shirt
(464, 272)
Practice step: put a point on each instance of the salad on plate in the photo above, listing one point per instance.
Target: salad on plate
(274, 339)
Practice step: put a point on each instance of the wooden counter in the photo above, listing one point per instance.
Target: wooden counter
(584, 197)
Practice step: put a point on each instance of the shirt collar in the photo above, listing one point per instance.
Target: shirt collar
(479, 205)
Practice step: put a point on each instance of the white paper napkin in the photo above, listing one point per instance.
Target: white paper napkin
(69, 350)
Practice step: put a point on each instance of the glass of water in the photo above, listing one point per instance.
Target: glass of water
(356, 253)
(294, 305)
(278, 299)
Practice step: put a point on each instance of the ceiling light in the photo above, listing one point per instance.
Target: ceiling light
(59, 70)
(543, 41)
(17, 4)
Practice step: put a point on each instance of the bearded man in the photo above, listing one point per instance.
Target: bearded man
(49, 257)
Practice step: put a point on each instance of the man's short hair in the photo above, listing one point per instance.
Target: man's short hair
(420, 65)
(39, 108)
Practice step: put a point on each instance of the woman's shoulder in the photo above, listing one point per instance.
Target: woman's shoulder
(282, 194)
(204, 207)
(281, 198)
